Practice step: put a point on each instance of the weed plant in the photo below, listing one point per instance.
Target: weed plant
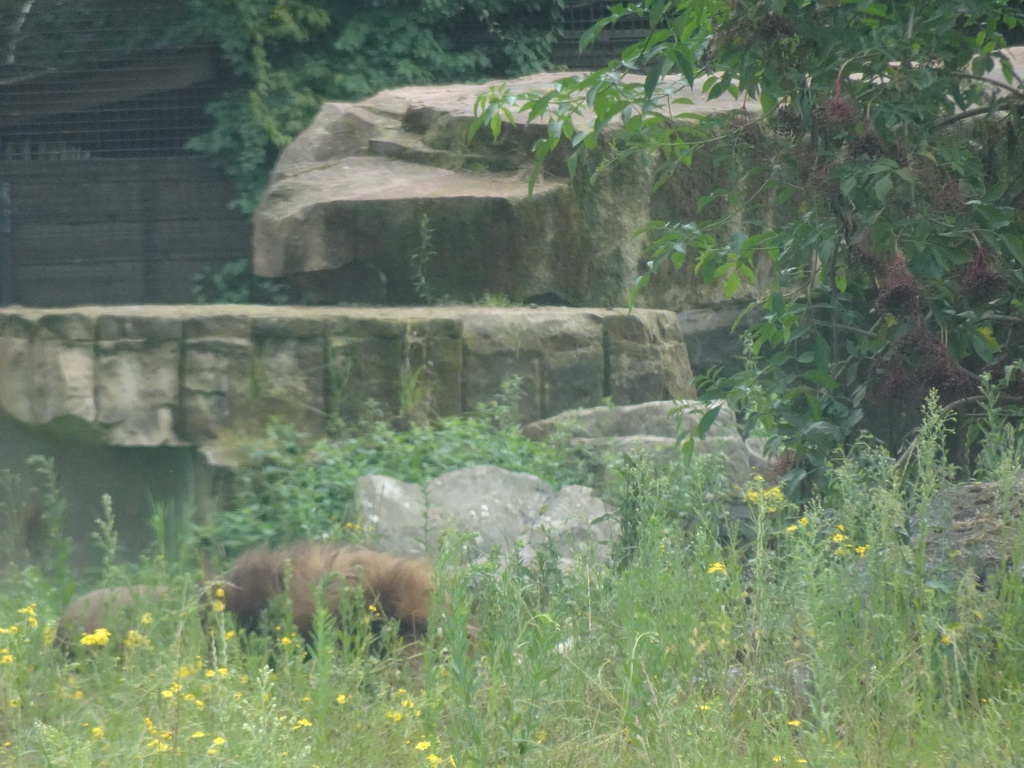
(822, 638)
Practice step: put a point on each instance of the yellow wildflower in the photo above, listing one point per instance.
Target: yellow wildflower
(423, 745)
(135, 640)
(100, 637)
(97, 732)
(342, 698)
(29, 611)
(147, 618)
(434, 759)
(301, 723)
(717, 568)
(6, 657)
(793, 723)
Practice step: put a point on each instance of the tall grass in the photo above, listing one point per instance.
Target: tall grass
(820, 637)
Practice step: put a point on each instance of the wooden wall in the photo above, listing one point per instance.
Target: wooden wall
(113, 231)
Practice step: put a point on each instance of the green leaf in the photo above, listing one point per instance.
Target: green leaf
(882, 187)
(707, 421)
(822, 379)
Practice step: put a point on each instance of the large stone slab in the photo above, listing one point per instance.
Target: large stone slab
(209, 376)
(342, 214)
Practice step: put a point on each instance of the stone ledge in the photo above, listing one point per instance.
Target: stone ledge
(206, 375)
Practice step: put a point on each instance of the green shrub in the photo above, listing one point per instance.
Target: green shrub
(293, 487)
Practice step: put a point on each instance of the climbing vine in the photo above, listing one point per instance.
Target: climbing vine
(289, 56)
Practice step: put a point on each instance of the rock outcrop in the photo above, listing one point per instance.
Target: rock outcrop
(656, 426)
(973, 526)
(209, 375)
(498, 509)
(342, 216)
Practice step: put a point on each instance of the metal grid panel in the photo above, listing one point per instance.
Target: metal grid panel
(581, 15)
(99, 78)
(144, 106)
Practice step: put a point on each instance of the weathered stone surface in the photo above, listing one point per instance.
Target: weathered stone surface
(973, 526)
(16, 396)
(397, 511)
(368, 357)
(656, 426)
(711, 340)
(504, 510)
(210, 376)
(638, 345)
(560, 358)
(216, 373)
(137, 360)
(64, 380)
(351, 190)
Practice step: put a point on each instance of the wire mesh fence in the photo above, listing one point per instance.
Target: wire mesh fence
(99, 79)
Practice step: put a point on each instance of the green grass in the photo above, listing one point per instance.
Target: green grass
(820, 637)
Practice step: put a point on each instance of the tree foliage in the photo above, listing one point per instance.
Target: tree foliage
(884, 136)
(53, 34)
